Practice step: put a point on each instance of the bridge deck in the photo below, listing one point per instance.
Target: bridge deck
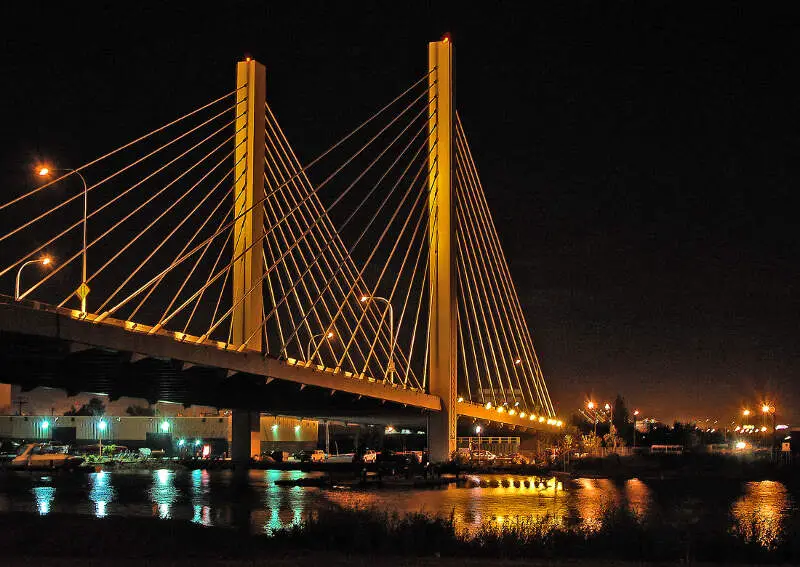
(41, 343)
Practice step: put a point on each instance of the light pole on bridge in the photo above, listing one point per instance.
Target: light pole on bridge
(83, 290)
(311, 342)
(43, 261)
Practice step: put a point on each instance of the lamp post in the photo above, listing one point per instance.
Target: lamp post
(611, 425)
(590, 405)
(101, 427)
(44, 171)
(390, 367)
(635, 415)
(768, 409)
(478, 430)
(326, 334)
(43, 261)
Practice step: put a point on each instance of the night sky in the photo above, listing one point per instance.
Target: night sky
(639, 157)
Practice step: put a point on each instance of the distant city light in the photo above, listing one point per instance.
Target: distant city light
(181, 442)
(741, 445)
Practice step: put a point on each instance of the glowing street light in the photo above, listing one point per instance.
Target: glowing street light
(101, 427)
(635, 415)
(390, 368)
(478, 430)
(326, 334)
(746, 412)
(590, 406)
(164, 426)
(45, 261)
(44, 171)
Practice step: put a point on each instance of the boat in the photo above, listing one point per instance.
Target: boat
(45, 456)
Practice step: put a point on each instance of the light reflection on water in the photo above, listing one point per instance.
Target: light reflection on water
(761, 511)
(101, 492)
(757, 509)
(163, 492)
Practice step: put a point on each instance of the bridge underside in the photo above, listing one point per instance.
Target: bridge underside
(50, 348)
(47, 347)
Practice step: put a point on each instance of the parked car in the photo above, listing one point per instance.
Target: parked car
(45, 456)
(483, 456)
(310, 456)
(369, 456)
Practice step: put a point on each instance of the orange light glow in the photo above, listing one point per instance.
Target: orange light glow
(765, 408)
(42, 171)
(330, 334)
(45, 261)
(364, 298)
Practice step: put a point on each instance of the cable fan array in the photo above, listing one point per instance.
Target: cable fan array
(345, 248)
(500, 368)
(162, 238)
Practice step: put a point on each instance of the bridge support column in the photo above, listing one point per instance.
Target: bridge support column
(248, 228)
(443, 324)
(245, 437)
(248, 237)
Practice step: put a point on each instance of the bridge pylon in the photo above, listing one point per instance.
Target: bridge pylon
(248, 237)
(249, 195)
(443, 329)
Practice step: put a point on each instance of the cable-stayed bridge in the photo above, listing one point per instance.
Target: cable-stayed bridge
(204, 263)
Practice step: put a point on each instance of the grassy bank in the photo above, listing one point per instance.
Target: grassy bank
(618, 536)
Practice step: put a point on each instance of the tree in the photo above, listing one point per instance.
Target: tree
(93, 407)
(140, 411)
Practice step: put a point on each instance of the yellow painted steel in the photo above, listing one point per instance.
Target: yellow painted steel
(248, 230)
(443, 318)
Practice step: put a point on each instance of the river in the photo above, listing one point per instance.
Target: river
(212, 498)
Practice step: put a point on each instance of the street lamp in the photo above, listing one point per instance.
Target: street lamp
(46, 261)
(590, 405)
(635, 415)
(478, 430)
(390, 367)
(746, 412)
(101, 427)
(44, 171)
(326, 334)
(768, 409)
(611, 424)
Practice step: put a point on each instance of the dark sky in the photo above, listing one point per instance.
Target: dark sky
(639, 157)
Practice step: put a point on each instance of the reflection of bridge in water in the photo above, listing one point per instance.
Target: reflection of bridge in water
(214, 271)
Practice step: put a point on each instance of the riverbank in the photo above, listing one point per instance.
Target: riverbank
(688, 466)
(394, 539)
